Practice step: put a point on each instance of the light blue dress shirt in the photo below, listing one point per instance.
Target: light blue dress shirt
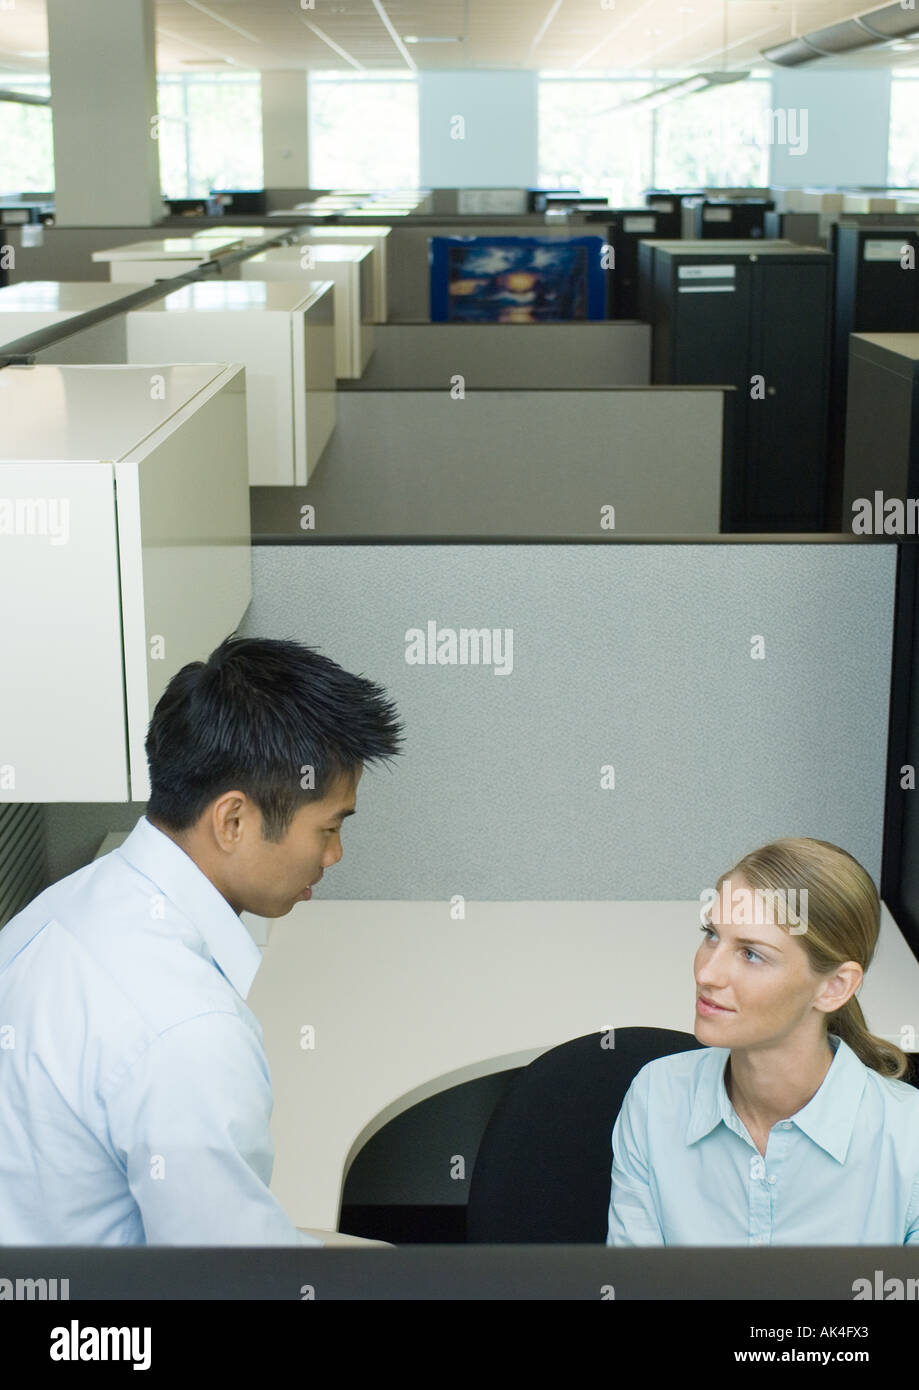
(844, 1170)
(135, 1095)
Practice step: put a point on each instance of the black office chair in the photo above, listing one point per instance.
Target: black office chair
(542, 1174)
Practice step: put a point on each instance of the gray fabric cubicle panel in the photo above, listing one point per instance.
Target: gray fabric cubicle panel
(104, 343)
(521, 463)
(413, 356)
(635, 657)
(66, 253)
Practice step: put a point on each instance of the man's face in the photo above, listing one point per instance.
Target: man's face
(267, 878)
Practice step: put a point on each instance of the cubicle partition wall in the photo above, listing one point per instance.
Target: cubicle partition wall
(627, 461)
(900, 870)
(23, 856)
(627, 636)
(803, 228)
(31, 306)
(548, 356)
(65, 253)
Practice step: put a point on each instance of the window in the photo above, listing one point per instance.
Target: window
(903, 152)
(584, 143)
(210, 133)
(26, 147)
(719, 137)
(363, 131)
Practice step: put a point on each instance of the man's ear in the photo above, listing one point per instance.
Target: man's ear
(229, 817)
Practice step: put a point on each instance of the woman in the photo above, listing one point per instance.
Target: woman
(792, 1125)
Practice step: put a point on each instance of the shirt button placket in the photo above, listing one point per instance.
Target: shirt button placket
(760, 1202)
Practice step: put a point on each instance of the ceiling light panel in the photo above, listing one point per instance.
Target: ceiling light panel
(573, 35)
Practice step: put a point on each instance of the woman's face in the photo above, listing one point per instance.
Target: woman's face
(756, 971)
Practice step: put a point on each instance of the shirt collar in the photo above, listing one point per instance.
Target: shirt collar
(828, 1118)
(191, 892)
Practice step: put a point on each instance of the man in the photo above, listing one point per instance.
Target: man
(135, 1095)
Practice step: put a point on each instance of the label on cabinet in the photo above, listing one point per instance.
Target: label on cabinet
(707, 272)
(886, 250)
(639, 224)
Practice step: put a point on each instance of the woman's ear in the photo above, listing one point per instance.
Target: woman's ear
(838, 988)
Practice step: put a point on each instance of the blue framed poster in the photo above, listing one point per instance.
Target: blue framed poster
(516, 279)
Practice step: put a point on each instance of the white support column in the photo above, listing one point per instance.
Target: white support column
(285, 129)
(102, 57)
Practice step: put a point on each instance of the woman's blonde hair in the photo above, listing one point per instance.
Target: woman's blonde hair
(841, 923)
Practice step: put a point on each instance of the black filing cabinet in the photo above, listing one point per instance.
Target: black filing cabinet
(874, 294)
(728, 313)
(882, 430)
(876, 291)
(242, 202)
(725, 218)
(626, 228)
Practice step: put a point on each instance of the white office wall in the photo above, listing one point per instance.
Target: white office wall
(847, 126)
(477, 129)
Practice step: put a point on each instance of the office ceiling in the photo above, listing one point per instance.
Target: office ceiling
(583, 36)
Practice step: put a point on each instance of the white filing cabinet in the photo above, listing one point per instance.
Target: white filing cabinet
(284, 335)
(377, 237)
(165, 257)
(124, 555)
(31, 305)
(350, 268)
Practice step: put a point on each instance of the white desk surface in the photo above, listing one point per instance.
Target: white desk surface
(181, 248)
(238, 233)
(64, 297)
(321, 253)
(241, 296)
(346, 233)
(406, 1002)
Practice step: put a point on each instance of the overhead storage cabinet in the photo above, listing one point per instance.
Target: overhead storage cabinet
(350, 268)
(124, 555)
(284, 335)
